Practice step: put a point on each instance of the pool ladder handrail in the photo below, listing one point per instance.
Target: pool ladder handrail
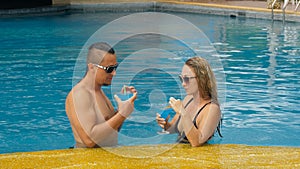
(272, 7)
(297, 5)
(286, 2)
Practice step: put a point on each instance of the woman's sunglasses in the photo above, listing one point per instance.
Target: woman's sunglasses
(185, 79)
(108, 69)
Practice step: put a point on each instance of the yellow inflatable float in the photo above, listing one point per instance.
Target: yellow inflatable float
(169, 156)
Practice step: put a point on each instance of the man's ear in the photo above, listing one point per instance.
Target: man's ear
(90, 66)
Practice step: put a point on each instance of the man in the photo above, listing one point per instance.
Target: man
(92, 116)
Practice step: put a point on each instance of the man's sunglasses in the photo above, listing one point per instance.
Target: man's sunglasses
(185, 79)
(108, 69)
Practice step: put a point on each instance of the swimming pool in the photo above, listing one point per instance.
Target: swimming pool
(38, 56)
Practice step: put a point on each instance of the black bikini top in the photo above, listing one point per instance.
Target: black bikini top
(182, 138)
(195, 118)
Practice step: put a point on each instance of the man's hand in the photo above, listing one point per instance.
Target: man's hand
(126, 107)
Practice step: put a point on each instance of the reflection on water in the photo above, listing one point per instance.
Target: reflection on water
(260, 60)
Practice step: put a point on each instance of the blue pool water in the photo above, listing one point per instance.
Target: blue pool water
(260, 59)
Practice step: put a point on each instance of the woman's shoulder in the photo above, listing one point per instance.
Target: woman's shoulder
(213, 107)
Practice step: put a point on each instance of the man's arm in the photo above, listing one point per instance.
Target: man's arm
(91, 129)
(76, 125)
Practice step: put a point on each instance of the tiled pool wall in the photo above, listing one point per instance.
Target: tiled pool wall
(155, 6)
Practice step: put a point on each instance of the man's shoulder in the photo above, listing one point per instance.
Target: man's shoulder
(82, 92)
(79, 92)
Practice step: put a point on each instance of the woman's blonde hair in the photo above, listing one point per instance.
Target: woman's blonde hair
(205, 78)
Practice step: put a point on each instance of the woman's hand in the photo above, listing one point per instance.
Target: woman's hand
(176, 104)
(163, 123)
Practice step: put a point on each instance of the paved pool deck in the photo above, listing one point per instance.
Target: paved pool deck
(247, 5)
(248, 9)
(252, 4)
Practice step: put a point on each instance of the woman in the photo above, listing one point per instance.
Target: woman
(198, 116)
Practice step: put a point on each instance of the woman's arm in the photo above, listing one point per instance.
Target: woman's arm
(171, 126)
(207, 123)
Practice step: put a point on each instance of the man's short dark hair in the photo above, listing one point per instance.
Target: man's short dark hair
(102, 46)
